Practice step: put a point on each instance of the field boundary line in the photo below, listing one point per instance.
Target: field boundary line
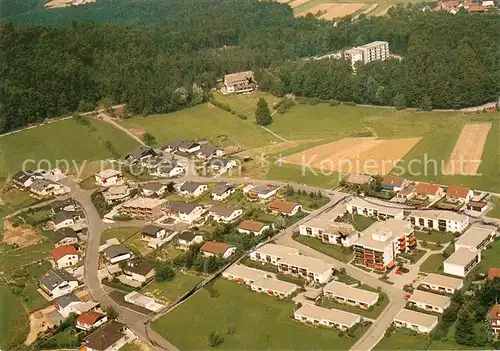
(273, 133)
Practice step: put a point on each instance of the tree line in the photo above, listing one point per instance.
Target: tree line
(160, 56)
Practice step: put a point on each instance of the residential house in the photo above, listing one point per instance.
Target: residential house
(347, 294)
(285, 208)
(493, 273)
(65, 256)
(152, 231)
(477, 206)
(394, 183)
(445, 221)
(143, 208)
(168, 169)
(328, 317)
(358, 179)
(65, 236)
(108, 177)
(240, 82)
(461, 262)
(306, 267)
(151, 163)
(223, 213)
(213, 248)
(193, 189)
(381, 243)
(494, 319)
(244, 274)
(143, 301)
(68, 205)
(109, 337)
(222, 164)
(90, 320)
(222, 191)
(368, 209)
(139, 270)
(183, 147)
(117, 253)
(476, 238)
(272, 253)
(117, 193)
(58, 283)
(407, 193)
(185, 211)
(207, 152)
(430, 302)
(442, 283)
(431, 191)
(417, 321)
(459, 193)
(252, 227)
(70, 303)
(261, 192)
(64, 219)
(186, 239)
(154, 189)
(488, 3)
(23, 179)
(140, 154)
(42, 188)
(274, 287)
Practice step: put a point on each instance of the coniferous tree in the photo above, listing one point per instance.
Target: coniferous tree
(464, 332)
(263, 114)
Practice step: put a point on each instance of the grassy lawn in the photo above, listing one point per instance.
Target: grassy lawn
(490, 258)
(74, 142)
(335, 251)
(122, 234)
(359, 222)
(246, 104)
(19, 257)
(373, 313)
(260, 322)
(14, 325)
(495, 211)
(169, 291)
(307, 202)
(433, 264)
(200, 122)
(13, 200)
(434, 236)
(415, 255)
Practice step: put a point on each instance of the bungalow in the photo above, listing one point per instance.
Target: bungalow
(117, 253)
(154, 189)
(239, 82)
(116, 193)
(358, 179)
(221, 191)
(306, 267)
(65, 236)
(245, 274)
(152, 231)
(139, 270)
(445, 221)
(261, 192)
(494, 318)
(458, 193)
(394, 183)
(140, 154)
(108, 177)
(207, 152)
(274, 287)
(417, 321)
(477, 206)
(476, 238)
(185, 211)
(328, 317)
(429, 301)
(64, 219)
(90, 320)
(187, 239)
(461, 262)
(431, 191)
(222, 164)
(285, 208)
(42, 188)
(65, 256)
(58, 283)
(168, 170)
(223, 213)
(213, 248)
(193, 189)
(344, 293)
(252, 227)
(442, 283)
(109, 337)
(24, 179)
(272, 253)
(368, 209)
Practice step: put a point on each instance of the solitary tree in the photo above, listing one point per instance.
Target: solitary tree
(165, 273)
(149, 139)
(263, 115)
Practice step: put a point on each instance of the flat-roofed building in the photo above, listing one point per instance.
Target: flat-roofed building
(429, 301)
(367, 209)
(442, 283)
(351, 295)
(417, 321)
(476, 238)
(143, 207)
(328, 231)
(332, 318)
(382, 242)
(272, 253)
(461, 262)
(274, 287)
(245, 274)
(445, 221)
(306, 267)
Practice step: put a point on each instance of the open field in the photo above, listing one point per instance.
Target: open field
(246, 104)
(260, 322)
(62, 140)
(297, 3)
(495, 211)
(332, 10)
(167, 292)
(14, 325)
(295, 174)
(356, 155)
(466, 155)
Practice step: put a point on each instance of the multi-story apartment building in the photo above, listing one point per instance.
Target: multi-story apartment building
(143, 208)
(445, 221)
(272, 253)
(368, 209)
(476, 238)
(375, 51)
(382, 242)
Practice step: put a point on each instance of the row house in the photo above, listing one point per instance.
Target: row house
(442, 283)
(367, 209)
(417, 321)
(333, 318)
(272, 253)
(445, 221)
(347, 294)
(306, 267)
(429, 301)
(274, 287)
(245, 274)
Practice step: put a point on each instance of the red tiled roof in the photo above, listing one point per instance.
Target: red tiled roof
(393, 180)
(61, 251)
(479, 204)
(215, 247)
(457, 191)
(494, 312)
(252, 226)
(283, 206)
(427, 189)
(89, 318)
(493, 273)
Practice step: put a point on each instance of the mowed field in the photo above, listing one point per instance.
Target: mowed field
(260, 322)
(330, 11)
(341, 8)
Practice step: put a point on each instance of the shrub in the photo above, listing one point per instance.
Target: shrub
(333, 102)
(214, 339)
(242, 117)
